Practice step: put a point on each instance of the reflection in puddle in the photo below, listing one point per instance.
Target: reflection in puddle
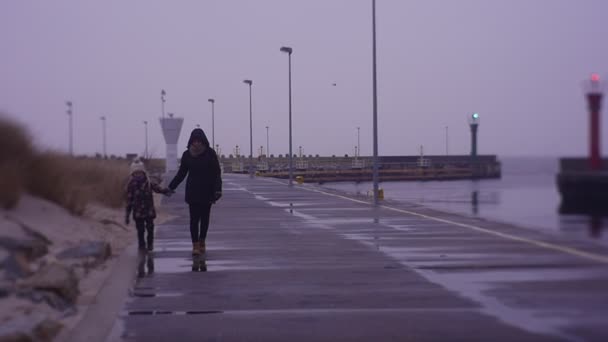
(199, 264)
(145, 265)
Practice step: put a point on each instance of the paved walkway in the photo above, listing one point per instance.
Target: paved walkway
(307, 265)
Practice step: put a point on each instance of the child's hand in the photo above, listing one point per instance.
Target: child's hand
(168, 192)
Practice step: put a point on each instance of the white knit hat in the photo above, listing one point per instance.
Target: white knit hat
(138, 165)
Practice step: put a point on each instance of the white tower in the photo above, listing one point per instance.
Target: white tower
(171, 128)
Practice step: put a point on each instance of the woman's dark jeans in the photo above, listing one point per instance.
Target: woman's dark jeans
(199, 221)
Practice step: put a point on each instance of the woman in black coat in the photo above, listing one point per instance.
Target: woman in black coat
(203, 187)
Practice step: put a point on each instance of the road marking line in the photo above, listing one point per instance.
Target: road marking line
(547, 245)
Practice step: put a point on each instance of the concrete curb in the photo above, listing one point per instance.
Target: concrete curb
(100, 316)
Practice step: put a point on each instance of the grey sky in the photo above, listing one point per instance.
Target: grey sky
(519, 63)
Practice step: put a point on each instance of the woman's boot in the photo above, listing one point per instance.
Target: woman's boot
(196, 248)
(202, 247)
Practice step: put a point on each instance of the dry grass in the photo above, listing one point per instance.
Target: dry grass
(15, 153)
(73, 183)
(67, 181)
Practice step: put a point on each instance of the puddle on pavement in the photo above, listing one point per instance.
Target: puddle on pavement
(177, 265)
(293, 204)
(472, 285)
(165, 312)
(143, 294)
(476, 285)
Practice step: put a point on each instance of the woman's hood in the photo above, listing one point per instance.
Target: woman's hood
(198, 134)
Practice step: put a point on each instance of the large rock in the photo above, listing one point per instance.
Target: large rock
(57, 279)
(19, 246)
(34, 328)
(17, 265)
(33, 248)
(94, 252)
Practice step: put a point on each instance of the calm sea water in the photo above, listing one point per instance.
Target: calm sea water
(526, 195)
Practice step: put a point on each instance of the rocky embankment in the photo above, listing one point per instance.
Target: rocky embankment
(52, 264)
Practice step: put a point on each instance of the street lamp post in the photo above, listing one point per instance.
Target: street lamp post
(267, 142)
(212, 121)
(447, 151)
(162, 102)
(103, 132)
(375, 104)
(250, 83)
(146, 139)
(70, 127)
(358, 142)
(289, 51)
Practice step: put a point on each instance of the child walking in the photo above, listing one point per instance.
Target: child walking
(140, 202)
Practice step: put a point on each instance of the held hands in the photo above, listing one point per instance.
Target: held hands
(168, 192)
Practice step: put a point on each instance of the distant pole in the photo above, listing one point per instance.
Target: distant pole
(103, 133)
(70, 127)
(146, 156)
(594, 101)
(447, 152)
(375, 104)
(358, 142)
(356, 153)
(212, 122)
(267, 142)
(250, 82)
(162, 102)
(289, 51)
(300, 152)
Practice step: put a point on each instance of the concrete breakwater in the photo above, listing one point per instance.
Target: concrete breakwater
(359, 169)
(583, 190)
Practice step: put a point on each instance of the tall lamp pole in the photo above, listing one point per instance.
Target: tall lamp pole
(103, 132)
(447, 151)
(358, 142)
(212, 122)
(289, 51)
(267, 142)
(375, 104)
(146, 156)
(70, 126)
(162, 102)
(250, 83)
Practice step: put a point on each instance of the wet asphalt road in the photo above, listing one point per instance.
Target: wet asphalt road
(301, 265)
